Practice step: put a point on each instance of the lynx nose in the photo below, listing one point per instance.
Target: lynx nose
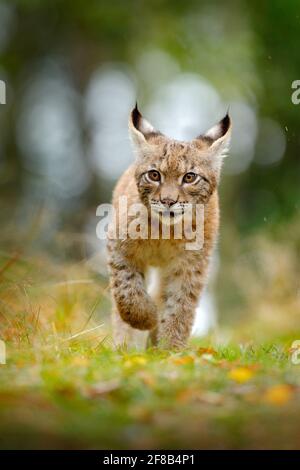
(168, 202)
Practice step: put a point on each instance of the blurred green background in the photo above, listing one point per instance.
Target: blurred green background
(73, 70)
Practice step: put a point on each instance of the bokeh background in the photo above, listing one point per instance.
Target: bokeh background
(73, 70)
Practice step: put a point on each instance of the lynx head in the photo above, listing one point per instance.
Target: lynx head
(171, 174)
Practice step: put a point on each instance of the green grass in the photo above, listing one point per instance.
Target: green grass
(59, 391)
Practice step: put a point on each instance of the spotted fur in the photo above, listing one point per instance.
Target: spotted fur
(168, 314)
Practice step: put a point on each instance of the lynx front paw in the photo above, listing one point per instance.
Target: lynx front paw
(139, 317)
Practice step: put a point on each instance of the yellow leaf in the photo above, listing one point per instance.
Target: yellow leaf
(240, 374)
(135, 361)
(278, 394)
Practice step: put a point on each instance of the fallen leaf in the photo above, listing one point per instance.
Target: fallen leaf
(240, 374)
(279, 394)
(135, 361)
(206, 351)
(183, 360)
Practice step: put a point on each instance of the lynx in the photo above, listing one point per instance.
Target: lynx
(166, 177)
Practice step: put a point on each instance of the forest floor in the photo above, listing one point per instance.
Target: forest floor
(63, 386)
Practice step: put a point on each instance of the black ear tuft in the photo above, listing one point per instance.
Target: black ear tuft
(136, 116)
(218, 131)
(225, 124)
(138, 123)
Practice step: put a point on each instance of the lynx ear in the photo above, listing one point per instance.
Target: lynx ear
(217, 138)
(140, 130)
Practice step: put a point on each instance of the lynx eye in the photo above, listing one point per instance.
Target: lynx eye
(153, 175)
(189, 177)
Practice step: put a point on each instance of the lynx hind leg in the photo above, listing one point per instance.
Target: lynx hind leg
(152, 340)
(153, 282)
(126, 336)
(182, 286)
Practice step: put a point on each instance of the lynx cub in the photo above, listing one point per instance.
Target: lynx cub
(167, 177)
